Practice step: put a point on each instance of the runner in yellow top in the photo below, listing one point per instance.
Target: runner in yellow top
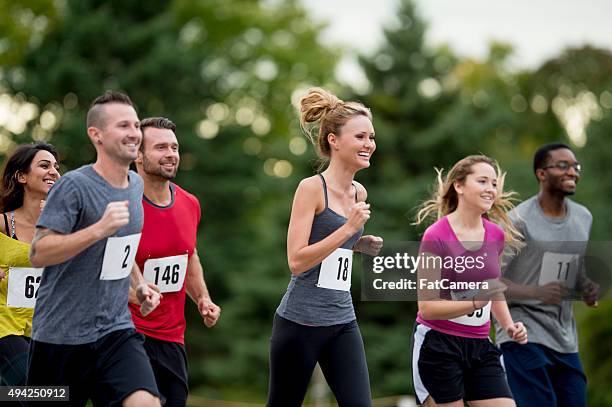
(27, 176)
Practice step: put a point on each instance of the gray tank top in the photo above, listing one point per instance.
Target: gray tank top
(305, 303)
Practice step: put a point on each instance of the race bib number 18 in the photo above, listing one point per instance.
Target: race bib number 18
(119, 257)
(23, 285)
(335, 273)
(167, 273)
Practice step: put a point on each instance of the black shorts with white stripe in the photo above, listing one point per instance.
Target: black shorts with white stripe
(450, 368)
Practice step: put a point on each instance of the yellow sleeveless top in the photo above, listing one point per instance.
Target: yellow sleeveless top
(13, 321)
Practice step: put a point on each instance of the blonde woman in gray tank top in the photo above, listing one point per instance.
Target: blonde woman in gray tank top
(315, 321)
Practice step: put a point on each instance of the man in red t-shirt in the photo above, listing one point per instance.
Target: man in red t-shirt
(168, 258)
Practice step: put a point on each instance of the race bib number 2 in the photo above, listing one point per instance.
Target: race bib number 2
(119, 257)
(335, 273)
(23, 285)
(167, 273)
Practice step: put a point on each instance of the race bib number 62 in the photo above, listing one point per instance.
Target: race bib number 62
(23, 285)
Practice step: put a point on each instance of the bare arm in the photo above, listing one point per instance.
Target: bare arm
(300, 254)
(501, 313)
(447, 309)
(2, 272)
(430, 304)
(515, 330)
(195, 287)
(519, 291)
(136, 278)
(143, 293)
(49, 247)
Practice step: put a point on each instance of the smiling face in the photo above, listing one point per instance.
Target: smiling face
(479, 189)
(120, 136)
(559, 181)
(356, 142)
(42, 174)
(160, 154)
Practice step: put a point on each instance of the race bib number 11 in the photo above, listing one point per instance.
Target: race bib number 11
(559, 267)
(119, 257)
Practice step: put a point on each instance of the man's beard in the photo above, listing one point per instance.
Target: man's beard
(156, 170)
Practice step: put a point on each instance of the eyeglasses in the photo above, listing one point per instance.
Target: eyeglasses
(564, 166)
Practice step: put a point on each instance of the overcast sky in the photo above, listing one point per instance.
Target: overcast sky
(538, 29)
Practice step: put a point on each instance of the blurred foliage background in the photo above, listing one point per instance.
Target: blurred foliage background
(230, 73)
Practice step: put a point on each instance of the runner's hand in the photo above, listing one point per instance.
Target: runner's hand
(2, 275)
(358, 215)
(369, 244)
(116, 215)
(209, 311)
(590, 292)
(552, 293)
(517, 332)
(149, 297)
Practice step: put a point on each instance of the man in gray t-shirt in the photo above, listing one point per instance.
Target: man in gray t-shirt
(547, 371)
(86, 240)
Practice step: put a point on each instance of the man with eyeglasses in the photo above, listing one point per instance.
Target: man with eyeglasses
(541, 279)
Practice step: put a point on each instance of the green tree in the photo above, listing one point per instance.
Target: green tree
(406, 99)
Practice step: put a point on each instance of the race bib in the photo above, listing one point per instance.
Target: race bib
(168, 273)
(336, 270)
(478, 317)
(559, 267)
(23, 285)
(119, 257)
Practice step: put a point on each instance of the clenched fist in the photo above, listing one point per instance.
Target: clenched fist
(369, 245)
(517, 332)
(358, 216)
(116, 215)
(209, 311)
(149, 297)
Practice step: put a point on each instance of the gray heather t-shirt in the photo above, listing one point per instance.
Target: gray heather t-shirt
(547, 324)
(73, 305)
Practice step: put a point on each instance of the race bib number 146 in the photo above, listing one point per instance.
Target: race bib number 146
(168, 273)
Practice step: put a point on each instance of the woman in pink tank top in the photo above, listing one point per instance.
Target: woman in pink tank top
(453, 359)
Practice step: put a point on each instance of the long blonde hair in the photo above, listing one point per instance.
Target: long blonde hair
(445, 199)
(321, 110)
